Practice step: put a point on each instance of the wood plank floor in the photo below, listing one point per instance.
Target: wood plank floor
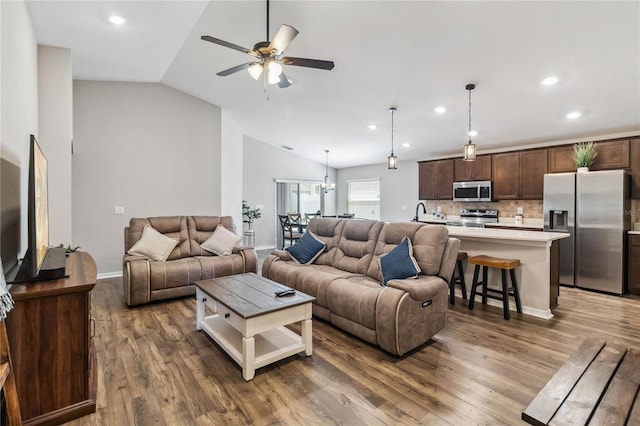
(155, 368)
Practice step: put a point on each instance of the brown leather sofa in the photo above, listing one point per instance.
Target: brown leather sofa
(146, 280)
(346, 279)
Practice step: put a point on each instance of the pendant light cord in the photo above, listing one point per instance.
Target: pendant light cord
(393, 110)
(469, 115)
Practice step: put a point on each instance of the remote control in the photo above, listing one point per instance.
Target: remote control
(289, 292)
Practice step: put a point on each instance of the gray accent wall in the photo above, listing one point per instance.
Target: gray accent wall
(263, 165)
(398, 188)
(55, 113)
(143, 146)
(19, 94)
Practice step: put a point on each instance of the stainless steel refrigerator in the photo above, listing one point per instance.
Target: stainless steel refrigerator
(593, 208)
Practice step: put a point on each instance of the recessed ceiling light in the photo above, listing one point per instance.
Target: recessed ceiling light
(406, 145)
(473, 133)
(372, 127)
(573, 115)
(117, 20)
(440, 110)
(550, 81)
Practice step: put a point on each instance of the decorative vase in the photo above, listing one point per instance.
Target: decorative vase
(249, 238)
(583, 169)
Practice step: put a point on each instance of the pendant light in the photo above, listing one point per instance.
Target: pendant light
(326, 185)
(469, 148)
(392, 160)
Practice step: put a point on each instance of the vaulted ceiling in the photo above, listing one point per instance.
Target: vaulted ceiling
(415, 55)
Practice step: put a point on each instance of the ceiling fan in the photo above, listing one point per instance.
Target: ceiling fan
(270, 56)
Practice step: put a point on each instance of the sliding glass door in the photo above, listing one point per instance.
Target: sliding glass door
(296, 197)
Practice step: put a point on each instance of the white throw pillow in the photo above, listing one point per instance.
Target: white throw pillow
(221, 242)
(154, 245)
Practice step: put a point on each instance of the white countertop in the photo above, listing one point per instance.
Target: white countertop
(537, 224)
(634, 232)
(505, 234)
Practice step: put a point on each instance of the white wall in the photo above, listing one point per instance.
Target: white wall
(55, 112)
(146, 147)
(263, 164)
(231, 170)
(19, 93)
(398, 188)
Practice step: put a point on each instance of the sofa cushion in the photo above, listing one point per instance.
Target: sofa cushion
(199, 228)
(428, 247)
(221, 266)
(307, 249)
(357, 245)
(399, 263)
(221, 242)
(328, 231)
(174, 273)
(170, 226)
(154, 245)
(355, 299)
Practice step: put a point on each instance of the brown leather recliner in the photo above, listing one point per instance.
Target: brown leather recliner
(145, 280)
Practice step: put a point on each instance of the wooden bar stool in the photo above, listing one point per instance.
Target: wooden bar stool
(503, 264)
(458, 280)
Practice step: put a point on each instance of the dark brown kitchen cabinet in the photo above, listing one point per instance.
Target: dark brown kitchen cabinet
(635, 167)
(532, 171)
(479, 169)
(612, 155)
(435, 180)
(560, 159)
(519, 175)
(634, 264)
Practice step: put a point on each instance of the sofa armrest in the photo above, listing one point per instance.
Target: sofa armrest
(449, 258)
(423, 288)
(250, 257)
(136, 279)
(282, 255)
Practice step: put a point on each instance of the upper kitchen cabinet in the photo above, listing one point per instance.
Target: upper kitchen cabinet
(560, 159)
(635, 167)
(435, 180)
(612, 155)
(519, 175)
(479, 169)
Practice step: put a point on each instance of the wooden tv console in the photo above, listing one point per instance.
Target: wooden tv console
(50, 338)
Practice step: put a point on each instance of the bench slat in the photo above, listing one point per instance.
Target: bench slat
(584, 397)
(619, 398)
(548, 400)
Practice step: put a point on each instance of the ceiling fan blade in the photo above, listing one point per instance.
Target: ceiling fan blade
(283, 37)
(284, 81)
(235, 69)
(309, 63)
(230, 45)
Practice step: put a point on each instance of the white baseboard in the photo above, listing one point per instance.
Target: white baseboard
(114, 274)
(265, 248)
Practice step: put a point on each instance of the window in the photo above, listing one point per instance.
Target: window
(364, 198)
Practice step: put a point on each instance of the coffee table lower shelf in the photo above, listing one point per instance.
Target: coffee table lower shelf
(270, 346)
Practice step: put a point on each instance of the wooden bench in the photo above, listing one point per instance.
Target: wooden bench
(597, 385)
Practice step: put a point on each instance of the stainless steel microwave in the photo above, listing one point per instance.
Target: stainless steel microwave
(472, 191)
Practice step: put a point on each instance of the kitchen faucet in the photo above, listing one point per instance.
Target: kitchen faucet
(424, 210)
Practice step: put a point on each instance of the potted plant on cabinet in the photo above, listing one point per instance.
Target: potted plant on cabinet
(584, 154)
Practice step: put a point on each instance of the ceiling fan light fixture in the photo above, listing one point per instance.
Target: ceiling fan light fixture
(273, 78)
(255, 70)
(275, 69)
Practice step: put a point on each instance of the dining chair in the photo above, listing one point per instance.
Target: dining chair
(309, 216)
(288, 234)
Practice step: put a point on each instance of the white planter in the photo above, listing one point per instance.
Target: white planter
(583, 169)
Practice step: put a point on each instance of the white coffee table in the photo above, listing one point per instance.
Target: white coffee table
(248, 321)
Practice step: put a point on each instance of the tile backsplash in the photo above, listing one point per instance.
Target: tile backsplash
(531, 209)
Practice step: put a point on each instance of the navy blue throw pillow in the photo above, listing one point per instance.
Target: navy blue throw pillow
(307, 249)
(399, 263)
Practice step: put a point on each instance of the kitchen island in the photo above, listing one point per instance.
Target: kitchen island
(538, 273)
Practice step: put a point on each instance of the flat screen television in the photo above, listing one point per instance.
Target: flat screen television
(40, 262)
